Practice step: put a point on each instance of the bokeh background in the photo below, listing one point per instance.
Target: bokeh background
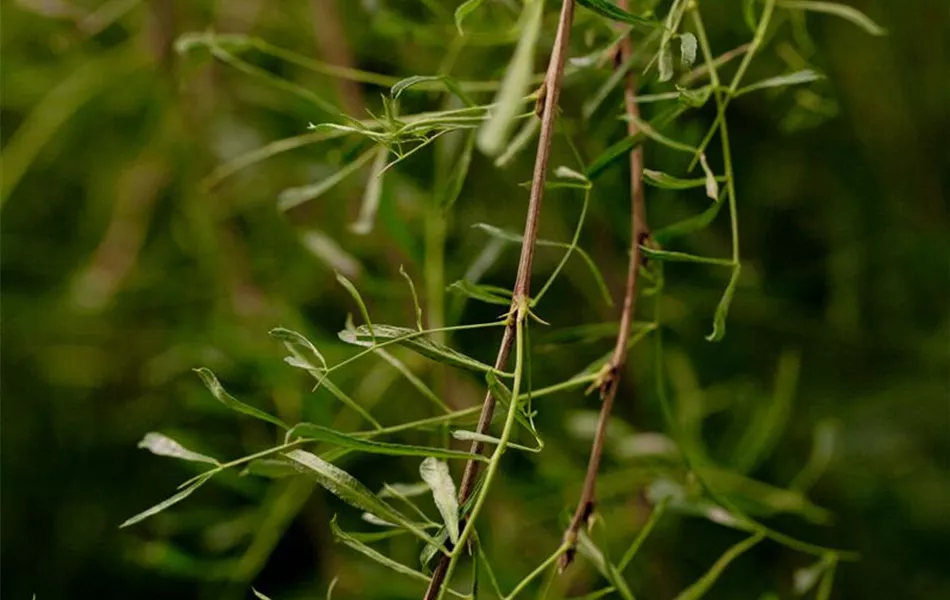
(121, 271)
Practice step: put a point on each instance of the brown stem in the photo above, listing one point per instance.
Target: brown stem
(521, 292)
(611, 377)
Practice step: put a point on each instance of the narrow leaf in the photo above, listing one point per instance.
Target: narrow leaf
(184, 493)
(517, 238)
(493, 134)
(212, 383)
(293, 338)
(346, 283)
(591, 552)
(372, 194)
(689, 225)
(348, 489)
(481, 292)
(319, 433)
(415, 297)
(702, 585)
(712, 186)
(798, 77)
(403, 490)
(621, 148)
(162, 445)
(668, 182)
(474, 436)
(436, 475)
(259, 595)
(722, 310)
(688, 45)
(328, 251)
(670, 256)
(293, 197)
(465, 9)
(352, 542)
(609, 10)
(271, 467)
(449, 193)
(844, 11)
(414, 340)
(748, 14)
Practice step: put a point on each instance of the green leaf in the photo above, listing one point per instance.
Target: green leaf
(493, 134)
(839, 10)
(352, 542)
(162, 445)
(415, 297)
(722, 310)
(413, 379)
(430, 549)
(517, 238)
(748, 14)
(691, 224)
(212, 383)
(665, 64)
(435, 474)
(292, 338)
(688, 45)
(348, 489)
(670, 256)
(702, 585)
(319, 433)
(271, 467)
(259, 595)
(473, 436)
(465, 9)
(668, 182)
(403, 490)
(621, 148)
(769, 418)
(449, 193)
(658, 137)
(591, 552)
(346, 283)
(568, 173)
(416, 341)
(371, 194)
(181, 495)
(485, 293)
(293, 197)
(798, 77)
(450, 84)
(609, 10)
(503, 395)
(712, 184)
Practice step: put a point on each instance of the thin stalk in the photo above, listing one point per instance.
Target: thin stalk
(493, 464)
(639, 232)
(721, 102)
(521, 291)
(541, 568)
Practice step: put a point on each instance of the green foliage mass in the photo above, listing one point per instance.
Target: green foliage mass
(179, 179)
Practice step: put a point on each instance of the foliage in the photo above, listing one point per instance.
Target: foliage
(194, 242)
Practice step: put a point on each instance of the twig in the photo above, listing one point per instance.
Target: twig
(521, 292)
(611, 375)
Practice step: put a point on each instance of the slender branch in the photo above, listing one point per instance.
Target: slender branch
(521, 292)
(639, 232)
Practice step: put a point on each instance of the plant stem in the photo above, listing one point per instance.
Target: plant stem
(639, 232)
(521, 292)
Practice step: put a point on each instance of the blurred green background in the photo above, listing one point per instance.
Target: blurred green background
(121, 271)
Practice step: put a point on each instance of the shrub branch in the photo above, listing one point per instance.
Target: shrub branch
(550, 91)
(610, 377)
